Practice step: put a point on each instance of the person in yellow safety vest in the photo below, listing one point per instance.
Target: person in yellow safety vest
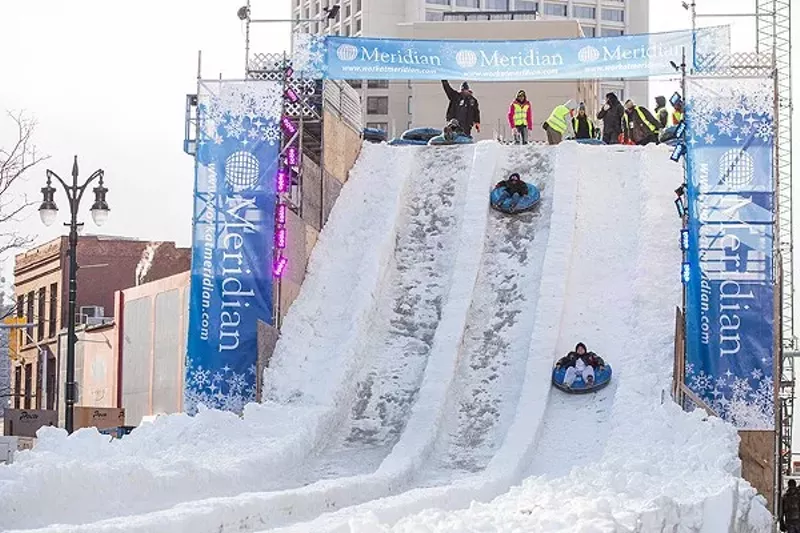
(661, 112)
(559, 123)
(583, 125)
(520, 117)
(639, 125)
(677, 115)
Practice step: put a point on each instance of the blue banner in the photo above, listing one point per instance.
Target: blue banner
(731, 293)
(233, 234)
(627, 56)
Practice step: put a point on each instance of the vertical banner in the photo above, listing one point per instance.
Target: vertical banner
(238, 146)
(730, 293)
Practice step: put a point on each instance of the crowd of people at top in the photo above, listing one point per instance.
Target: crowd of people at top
(626, 123)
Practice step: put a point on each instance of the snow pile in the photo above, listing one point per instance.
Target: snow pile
(85, 478)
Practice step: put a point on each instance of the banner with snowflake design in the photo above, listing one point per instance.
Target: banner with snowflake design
(730, 296)
(238, 145)
(625, 56)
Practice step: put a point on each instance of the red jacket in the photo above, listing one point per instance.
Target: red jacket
(512, 112)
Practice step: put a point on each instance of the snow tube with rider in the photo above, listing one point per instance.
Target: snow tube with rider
(440, 140)
(373, 135)
(525, 203)
(589, 141)
(601, 379)
(420, 134)
(668, 136)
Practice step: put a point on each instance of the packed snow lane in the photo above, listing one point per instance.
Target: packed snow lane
(497, 338)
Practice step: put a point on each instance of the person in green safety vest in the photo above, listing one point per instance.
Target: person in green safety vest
(520, 117)
(559, 125)
(639, 125)
(662, 114)
(583, 125)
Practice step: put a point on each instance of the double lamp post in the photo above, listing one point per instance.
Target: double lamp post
(48, 211)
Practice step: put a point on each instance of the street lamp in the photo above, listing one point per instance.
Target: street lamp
(48, 211)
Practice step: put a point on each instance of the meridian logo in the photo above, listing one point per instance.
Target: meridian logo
(347, 52)
(588, 54)
(466, 59)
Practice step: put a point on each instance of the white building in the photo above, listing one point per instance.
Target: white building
(385, 18)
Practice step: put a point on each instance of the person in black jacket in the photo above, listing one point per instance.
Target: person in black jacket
(463, 106)
(790, 509)
(580, 362)
(611, 115)
(513, 187)
(639, 125)
(582, 124)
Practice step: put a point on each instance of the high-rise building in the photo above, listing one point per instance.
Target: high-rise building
(381, 18)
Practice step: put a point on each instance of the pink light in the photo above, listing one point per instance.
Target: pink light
(280, 238)
(292, 155)
(282, 180)
(280, 266)
(289, 72)
(281, 214)
(288, 125)
(291, 95)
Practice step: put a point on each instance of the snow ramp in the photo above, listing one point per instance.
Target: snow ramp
(413, 373)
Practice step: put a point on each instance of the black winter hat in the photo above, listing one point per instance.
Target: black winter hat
(580, 344)
(465, 86)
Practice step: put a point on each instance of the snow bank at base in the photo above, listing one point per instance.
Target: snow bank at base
(85, 478)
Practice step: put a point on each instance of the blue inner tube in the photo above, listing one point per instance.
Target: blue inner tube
(589, 141)
(500, 201)
(601, 379)
(439, 140)
(406, 142)
(420, 134)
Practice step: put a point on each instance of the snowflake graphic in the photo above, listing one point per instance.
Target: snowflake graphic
(689, 369)
(234, 129)
(308, 56)
(200, 376)
(702, 382)
(721, 383)
(757, 373)
(727, 125)
(740, 386)
(764, 130)
(709, 139)
(217, 377)
(271, 134)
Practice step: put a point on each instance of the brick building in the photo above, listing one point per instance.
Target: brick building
(41, 284)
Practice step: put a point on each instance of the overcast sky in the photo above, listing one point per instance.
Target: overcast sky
(107, 81)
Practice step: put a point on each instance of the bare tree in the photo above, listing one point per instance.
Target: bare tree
(15, 161)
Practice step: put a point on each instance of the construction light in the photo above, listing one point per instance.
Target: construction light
(680, 130)
(280, 266)
(291, 95)
(680, 207)
(676, 98)
(685, 240)
(686, 272)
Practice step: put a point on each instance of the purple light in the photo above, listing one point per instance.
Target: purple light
(281, 214)
(280, 238)
(289, 72)
(282, 180)
(288, 125)
(292, 156)
(280, 266)
(291, 95)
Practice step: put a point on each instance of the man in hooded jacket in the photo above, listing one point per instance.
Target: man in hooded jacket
(611, 115)
(662, 115)
(639, 124)
(463, 106)
(790, 509)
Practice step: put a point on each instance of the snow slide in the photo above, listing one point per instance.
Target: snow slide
(412, 379)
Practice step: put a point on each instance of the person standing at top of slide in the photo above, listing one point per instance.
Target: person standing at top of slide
(463, 106)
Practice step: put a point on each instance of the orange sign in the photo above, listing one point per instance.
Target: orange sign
(16, 334)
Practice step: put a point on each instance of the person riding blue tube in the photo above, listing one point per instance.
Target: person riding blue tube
(513, 188)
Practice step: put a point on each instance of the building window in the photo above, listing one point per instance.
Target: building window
(358, 5)
(410, 112)
(584, 12)
(383, 126)
(52, 324)
(496, 5)
(51, 381)
(526, 5)
(358, 25)
(20, 306)
(611, 32)
(355, 84)
(17, 385)
(347, 10)
(558, 10)
(28, 386)
(40, 313)
(614, 15)
(40, 361)
(347, 30)
(589, 31)
(29, 320)
(377, 84)
(377, 105)
(434, 16)
(468, 3)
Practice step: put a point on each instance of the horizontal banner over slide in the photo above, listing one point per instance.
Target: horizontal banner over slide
(627, 56)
